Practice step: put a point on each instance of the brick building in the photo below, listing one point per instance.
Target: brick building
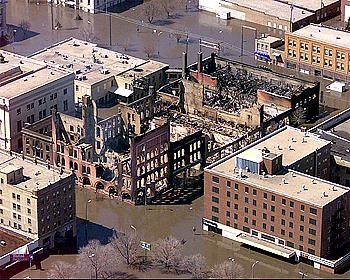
(262, 196)
(319, 51)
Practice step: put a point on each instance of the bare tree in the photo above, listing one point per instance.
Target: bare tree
(167, 252)
(88, 34)
(127, 246)
(98, 260)
(149, 49)
(227, 270)
(195, 265)
(150, 11)
(25, 26)
(126, 44)
(168, 6)
(62, 270)
(298, 117)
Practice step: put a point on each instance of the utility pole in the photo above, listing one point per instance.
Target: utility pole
(110, 29)
(291, 18)
(51, 6)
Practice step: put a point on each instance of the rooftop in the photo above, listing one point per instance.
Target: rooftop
(269, 39)
(270, 7)
(96, 63)
(326, 35)
(342, 129)
(295, 185)
(36, 176)
(340, 146)
(30, 74)
(12, 240)
(292, 143)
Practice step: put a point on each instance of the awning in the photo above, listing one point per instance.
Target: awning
(263, 55)
(121, 91)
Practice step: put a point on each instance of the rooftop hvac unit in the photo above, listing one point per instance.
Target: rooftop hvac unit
(104, 71)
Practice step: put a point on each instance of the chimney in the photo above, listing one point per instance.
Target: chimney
(184, 64)
(200, 62)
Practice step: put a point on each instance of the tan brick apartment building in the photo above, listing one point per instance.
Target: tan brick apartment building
(36, 201)
(319, 51)
(255, 197)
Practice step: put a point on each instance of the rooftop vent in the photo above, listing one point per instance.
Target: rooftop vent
(293, 174)
(338, 38)
(324, 194)
(304, 188)
(303, 141)
(284, 181)
(313, 181)
(290, 147)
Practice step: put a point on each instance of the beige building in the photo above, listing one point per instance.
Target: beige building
(102, 74)
(269, 49)
(36, 201)
(319, 51)
(287, 15)
(3, 25)
(29, 91)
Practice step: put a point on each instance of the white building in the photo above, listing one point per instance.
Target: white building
(92, 6)
(29, 91)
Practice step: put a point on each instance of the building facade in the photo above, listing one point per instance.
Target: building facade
(43, 89)
(3, 26)
(256, 197)
(345, 10)
(319, 51)
(270, 49)
(37, 201)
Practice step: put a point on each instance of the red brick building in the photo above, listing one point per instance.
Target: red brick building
(256, 196)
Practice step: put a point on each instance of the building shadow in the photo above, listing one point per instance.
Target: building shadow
(87, 230)
(16, 34)
(125, 6)
(163, 22)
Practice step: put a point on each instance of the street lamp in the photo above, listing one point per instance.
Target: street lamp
(86, 219)
(253, 265)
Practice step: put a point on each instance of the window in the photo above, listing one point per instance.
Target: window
(228, 194)
(272, 228)
(29, 211)
(215, 209)
(228, 203)
(254, 212)
(18, 111)
(301, 228)
(215, 179)
(313, 211)
(291, 214)
(246, 189)
(215, 219)
(65, 105)
(236, 186)
(228, 184)
(246, 220)
(65, 91)
(291, 204)
(291, 224)
(265, 195)
(290, 234)
(265, 206)
(302, 218)
(311, 242)
(13, 195)
(283, 212)
(228, 223)
(283, 201)
(235, 216)
(246, 210)
(283, 222)
(215, 190)
(254, 192)
(272, 208)
(272, 218)
(312, 221)
(246, 200)
(264, 226)
(254, 202)
(215, 199)
(290, 244)
(283, 232)
(254, 222)
(236, 196)
(228, 214)
(273, 198)
(312, 231)
(235, 206)
(264, 216)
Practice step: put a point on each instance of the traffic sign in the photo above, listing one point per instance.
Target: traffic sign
(145, 246)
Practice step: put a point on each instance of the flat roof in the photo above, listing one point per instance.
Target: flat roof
(292, 143)
(269, 39)
(326, 35)
(36, 176)
(13, 241)
(340, 146)
(342, 129)
(74, 54)
(298, 186)
(312, 193)
(19, 75)
(313, 5)
(274, 8)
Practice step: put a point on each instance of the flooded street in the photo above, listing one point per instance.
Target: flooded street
(155, 222)
(158, 36)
